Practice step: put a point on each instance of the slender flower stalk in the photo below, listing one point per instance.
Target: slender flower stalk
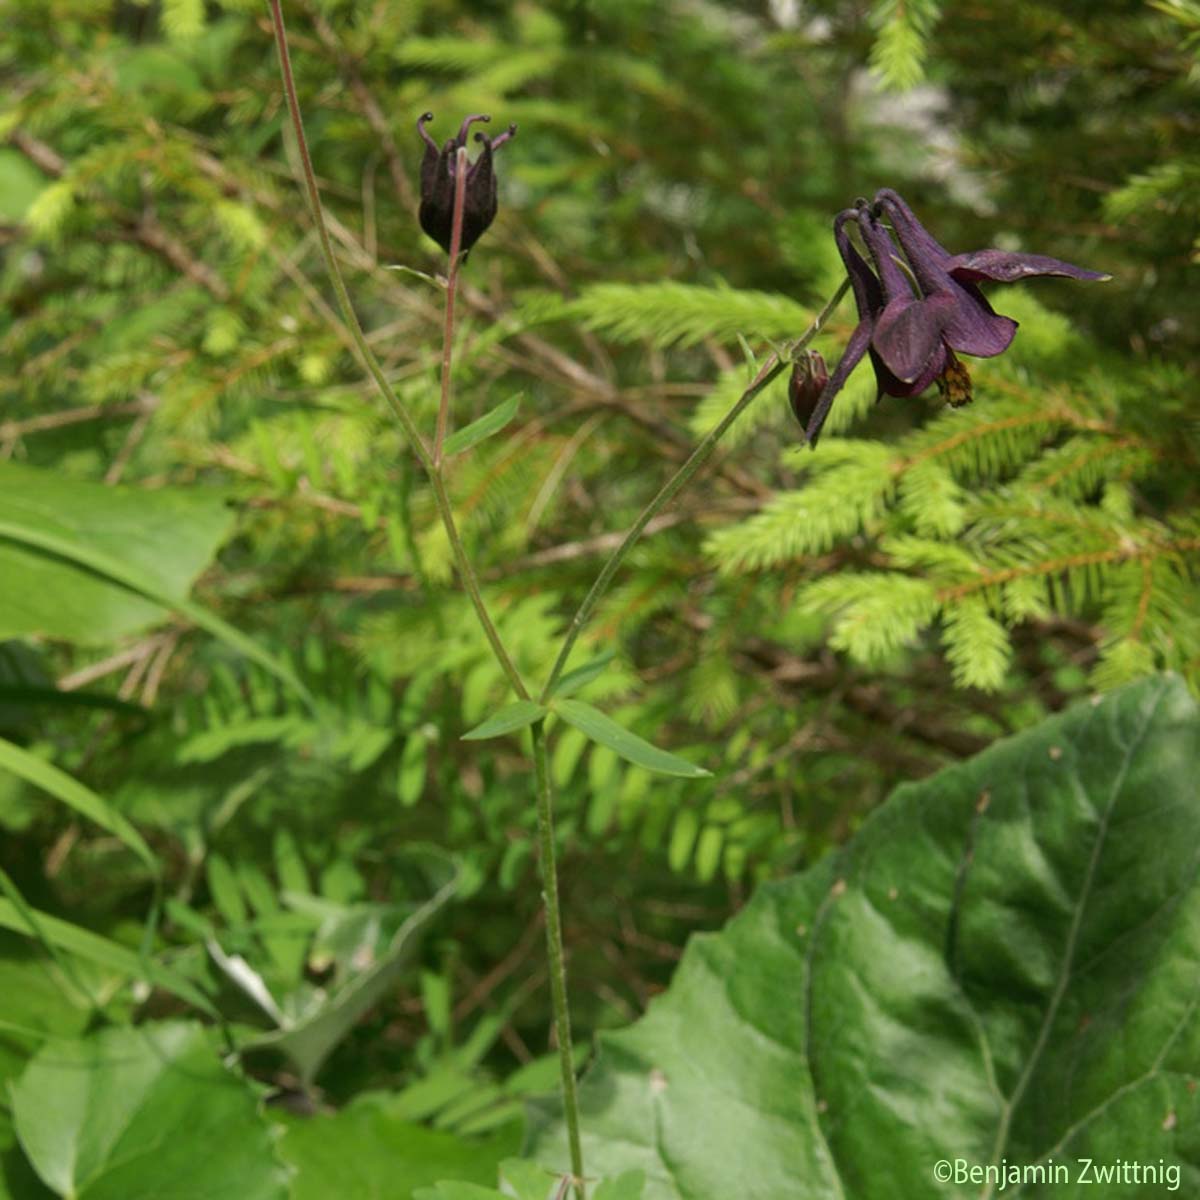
(456, 230)
(702, 453)
(371, 364)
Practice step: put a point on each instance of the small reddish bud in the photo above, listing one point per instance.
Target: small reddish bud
(807, 382)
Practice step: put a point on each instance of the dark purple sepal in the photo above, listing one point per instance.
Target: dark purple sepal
(1002, 267)
(973, 327)
(856, 347)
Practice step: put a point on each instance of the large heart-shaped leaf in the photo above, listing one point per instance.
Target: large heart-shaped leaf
(143, 1114)
(1001, 969)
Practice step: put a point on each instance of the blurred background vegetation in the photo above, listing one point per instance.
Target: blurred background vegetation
(813, 628)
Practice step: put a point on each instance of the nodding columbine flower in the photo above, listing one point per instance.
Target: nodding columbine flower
(438, 168)
(912, 334)
(892, 324)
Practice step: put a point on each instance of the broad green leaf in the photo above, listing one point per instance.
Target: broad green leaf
(369, 1151)
(600, 728)
(477, 431)
(309, 1039)
(71, 792)
(91, 946)
(17, 1178)
(527, 1180)
(40, 1001)
(1001, 966)
(144, 1113)
(507, 720)
(168, 536)
(580, 677)
(110, 558)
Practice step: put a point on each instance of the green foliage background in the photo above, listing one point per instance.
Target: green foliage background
(813, 628)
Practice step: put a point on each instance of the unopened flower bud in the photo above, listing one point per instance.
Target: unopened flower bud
(807, 382)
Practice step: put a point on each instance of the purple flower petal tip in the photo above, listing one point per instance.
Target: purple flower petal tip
(1003, 267)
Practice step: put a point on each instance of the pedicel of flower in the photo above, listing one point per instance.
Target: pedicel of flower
(438, 167)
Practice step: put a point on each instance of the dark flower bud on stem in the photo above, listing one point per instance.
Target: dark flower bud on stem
(807, 382)
(439, 169)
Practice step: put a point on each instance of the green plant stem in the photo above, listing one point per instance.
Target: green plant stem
(770, 369)
(554, 948)
(456, 227)
(371, 364)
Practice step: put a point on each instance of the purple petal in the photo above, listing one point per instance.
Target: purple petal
(908, 334)
(914, 237)
(883, 250)
(499, 140)
(976, 328)
(973, 327)
(856, 347)
(868, 296)
(1002, 267)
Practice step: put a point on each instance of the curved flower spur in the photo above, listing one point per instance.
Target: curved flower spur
(438, 167)
(912, 334)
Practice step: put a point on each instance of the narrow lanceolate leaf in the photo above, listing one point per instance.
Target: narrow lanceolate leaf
(1000, 968)
(71, 792)
(489, 423)
(580, 677)
(507, 720)
(604, 730)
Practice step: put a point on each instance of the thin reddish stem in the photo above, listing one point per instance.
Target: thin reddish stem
(456, 228)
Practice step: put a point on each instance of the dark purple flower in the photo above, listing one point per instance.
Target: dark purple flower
(912, 334)
(901, 331)
(438, 168)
